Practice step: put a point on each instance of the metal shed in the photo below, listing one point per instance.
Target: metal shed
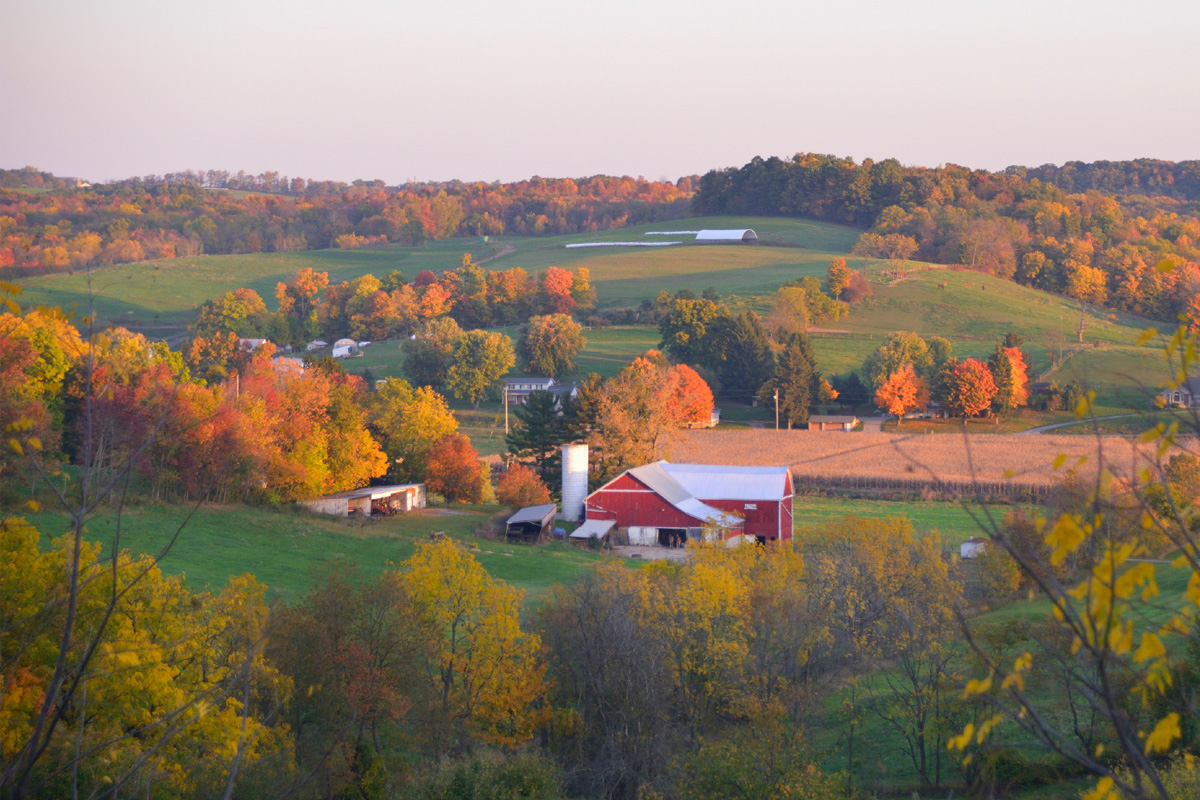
(730, 235)
(531, 522)
(372, 499)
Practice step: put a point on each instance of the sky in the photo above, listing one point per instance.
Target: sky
(486, 90)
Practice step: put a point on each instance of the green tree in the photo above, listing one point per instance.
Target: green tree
(407, 422)
(796, 380)
(427, 356)
(693, 331)
(1003, 375)
(749, 361)
(539, 432)
(548, 344)
(898, 349)
(481, 358)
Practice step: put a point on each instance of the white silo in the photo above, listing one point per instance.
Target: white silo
(574, 480)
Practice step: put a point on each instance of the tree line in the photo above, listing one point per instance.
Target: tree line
(171, 216)
(1052, 228)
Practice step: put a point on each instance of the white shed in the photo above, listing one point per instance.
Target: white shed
(973, 547)
(383, 499)
(727, 236)
(344, 348)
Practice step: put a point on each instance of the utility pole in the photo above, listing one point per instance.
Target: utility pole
(506, 409)
(776, 409)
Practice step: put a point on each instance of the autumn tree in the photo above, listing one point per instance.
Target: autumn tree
(520, 486)
(902, 392)
(689, 398)
(1007, 365)
(548, 345)
(898, 349)
(240, 311)
(481, 358)
(407, 422)
(837, 278)
(486, 674)
(634, 418)
(971, 389)
(556, 285)
(454, 470)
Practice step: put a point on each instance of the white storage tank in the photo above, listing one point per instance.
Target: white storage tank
(574, 480)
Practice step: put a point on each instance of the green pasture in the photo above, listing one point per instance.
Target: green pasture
(954, 522)
(282, 547)
(159, 297)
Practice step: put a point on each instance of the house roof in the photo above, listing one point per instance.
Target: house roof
(530, 379)
(533, 514)
(345, 343)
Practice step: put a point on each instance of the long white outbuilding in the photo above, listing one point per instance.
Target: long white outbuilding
(730, 235)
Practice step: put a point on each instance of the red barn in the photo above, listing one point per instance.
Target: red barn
(661, 502)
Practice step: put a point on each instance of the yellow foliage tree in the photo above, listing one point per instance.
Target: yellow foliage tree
(488, 674)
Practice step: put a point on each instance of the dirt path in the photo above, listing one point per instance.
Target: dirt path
(1069, 423)
(504, 250)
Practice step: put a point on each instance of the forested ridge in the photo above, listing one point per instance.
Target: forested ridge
(1096, 232)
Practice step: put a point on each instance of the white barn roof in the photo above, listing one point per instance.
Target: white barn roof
(730, 235)
(721, 482)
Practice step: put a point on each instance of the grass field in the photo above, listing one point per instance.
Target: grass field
(282, 547)
(954, 522)
(159, 297)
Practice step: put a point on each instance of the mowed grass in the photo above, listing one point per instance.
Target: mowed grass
(954, 522)
(159, 297)
(283, 547)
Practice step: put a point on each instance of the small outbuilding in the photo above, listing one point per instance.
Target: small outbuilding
(316, 344)
(731, 236)
(345, 348)
(973, 547)
(592, 529)
(531, 523)
(382, 500)
(832, 422)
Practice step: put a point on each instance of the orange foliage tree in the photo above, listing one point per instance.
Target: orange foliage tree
(689, 398)
(521, 486)
(902, 392)
(971, 389)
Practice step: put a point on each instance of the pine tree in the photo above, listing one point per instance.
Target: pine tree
(539, 432)
(796, 379)
(749, 361)
(1002, 370)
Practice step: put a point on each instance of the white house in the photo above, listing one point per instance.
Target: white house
(1186, 396)
(518, 389)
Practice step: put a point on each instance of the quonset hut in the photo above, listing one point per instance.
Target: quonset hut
(662, 503)
(726, 236)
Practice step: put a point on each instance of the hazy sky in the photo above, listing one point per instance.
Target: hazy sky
(479, 90)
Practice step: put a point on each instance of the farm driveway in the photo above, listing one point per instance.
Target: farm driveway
(1057, 425)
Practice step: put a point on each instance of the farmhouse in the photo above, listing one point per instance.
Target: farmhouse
(373, 499)
(1186, 396)
(517, 389)
(727, 236)
(664, 503)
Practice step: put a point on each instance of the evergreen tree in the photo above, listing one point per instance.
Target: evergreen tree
(749, 361)
(539, 432)
(1002, 369)
(796, 379)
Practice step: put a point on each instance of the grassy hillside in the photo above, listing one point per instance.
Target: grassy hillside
(159, 297)
(282, 547)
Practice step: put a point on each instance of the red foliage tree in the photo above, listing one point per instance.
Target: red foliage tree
(454, 470)
(902, 392)
(689, 398)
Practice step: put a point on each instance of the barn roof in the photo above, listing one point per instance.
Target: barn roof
(722, 482)
(727, 235)
(533, 514)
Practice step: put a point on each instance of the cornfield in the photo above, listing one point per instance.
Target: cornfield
(914, 460)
